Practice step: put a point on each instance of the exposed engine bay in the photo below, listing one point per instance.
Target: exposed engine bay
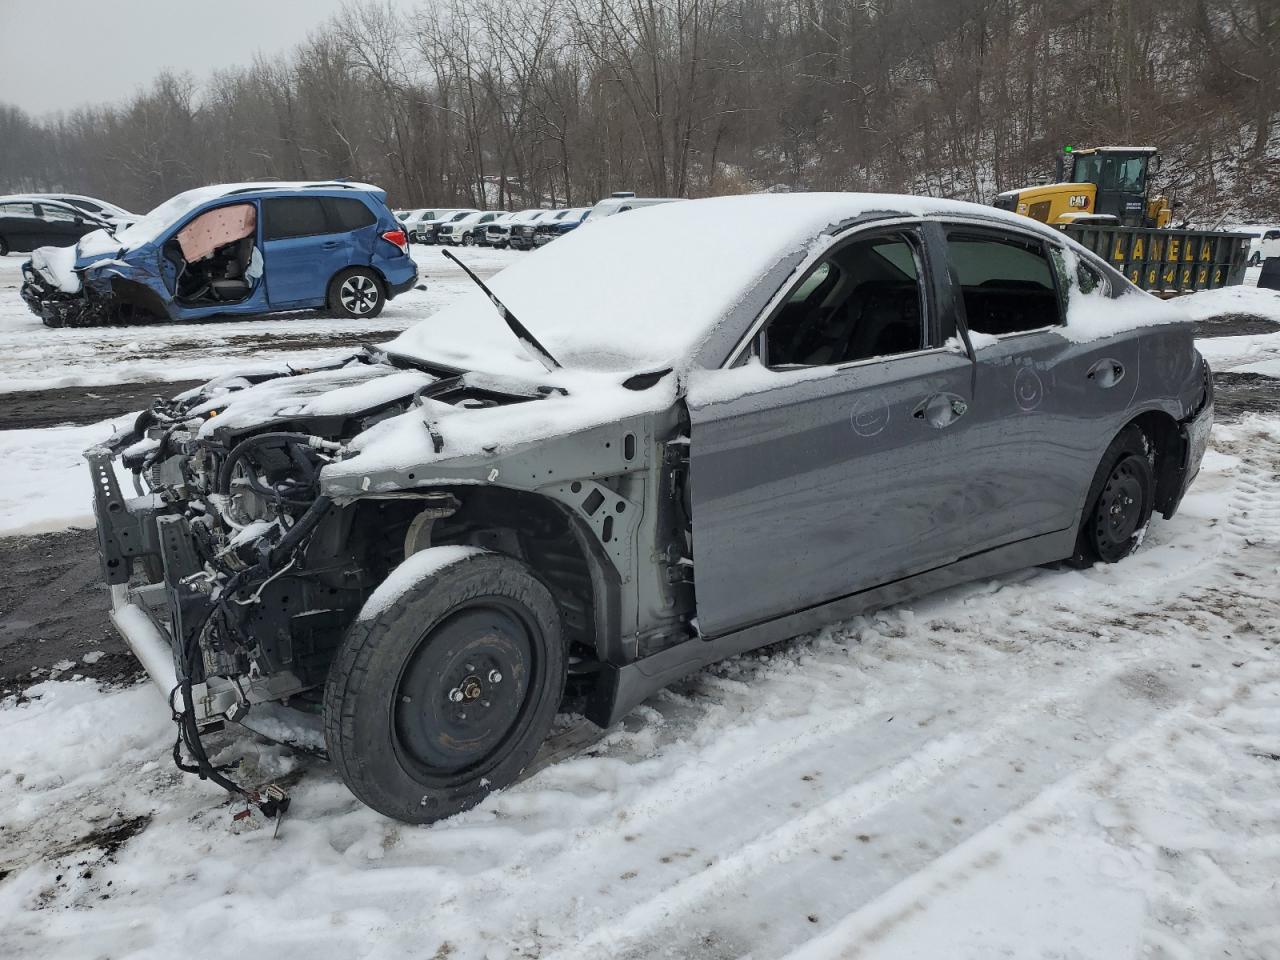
(252, 571)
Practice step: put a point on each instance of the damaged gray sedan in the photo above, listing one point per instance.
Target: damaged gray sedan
(655, 444)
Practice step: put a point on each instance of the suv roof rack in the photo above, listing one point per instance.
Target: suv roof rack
(318, 185)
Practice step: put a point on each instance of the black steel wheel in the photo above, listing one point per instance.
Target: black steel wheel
(464, 687)
(356, 293)
(1120, 501)
(447, 692)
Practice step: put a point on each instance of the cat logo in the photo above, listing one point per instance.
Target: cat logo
(1078, 200)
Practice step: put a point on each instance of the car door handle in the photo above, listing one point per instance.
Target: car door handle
(1106, 372)
(941, 409)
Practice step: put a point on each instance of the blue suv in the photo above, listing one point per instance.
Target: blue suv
(248, 248)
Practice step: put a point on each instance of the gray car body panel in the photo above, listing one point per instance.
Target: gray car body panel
(834, 483)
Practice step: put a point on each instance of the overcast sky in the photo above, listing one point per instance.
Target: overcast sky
(58, 54)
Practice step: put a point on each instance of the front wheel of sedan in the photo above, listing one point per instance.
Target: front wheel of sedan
(446, 684)
(1120, 501)
(356, 293)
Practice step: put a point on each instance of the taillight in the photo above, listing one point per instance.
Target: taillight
(398, 238)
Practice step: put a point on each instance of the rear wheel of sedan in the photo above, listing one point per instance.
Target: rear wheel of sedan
(356, 292)
(1120, 501)
(446, 690)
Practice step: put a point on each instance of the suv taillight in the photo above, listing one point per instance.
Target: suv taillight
(398, 238)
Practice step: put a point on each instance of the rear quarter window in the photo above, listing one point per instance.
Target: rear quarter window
(1006, 282)
(347, 214)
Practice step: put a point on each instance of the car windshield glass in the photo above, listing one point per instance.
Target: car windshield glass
(164, 216)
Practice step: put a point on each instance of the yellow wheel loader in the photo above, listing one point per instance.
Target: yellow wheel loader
(1103, 199)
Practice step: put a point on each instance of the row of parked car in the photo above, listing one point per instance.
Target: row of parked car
(518, 229)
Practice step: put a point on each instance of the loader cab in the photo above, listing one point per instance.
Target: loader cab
(1120, 175)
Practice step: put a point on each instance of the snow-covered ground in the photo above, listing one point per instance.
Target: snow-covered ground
(1052, 764)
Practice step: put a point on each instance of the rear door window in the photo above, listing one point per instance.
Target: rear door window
(1006, 282)
(57, 214)
(294, 217)
(347, 214)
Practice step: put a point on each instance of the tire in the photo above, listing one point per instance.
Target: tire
(468, 240)
(4, 247)
(1255, 259)
(448, 691)
(1118, 507)
(356, 293)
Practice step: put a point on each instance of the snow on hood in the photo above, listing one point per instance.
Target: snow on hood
(95, 245)
(404, 442)
(336, 392)
(642, 290)
(57, 265)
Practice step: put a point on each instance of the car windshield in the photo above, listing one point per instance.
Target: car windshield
(164, 216)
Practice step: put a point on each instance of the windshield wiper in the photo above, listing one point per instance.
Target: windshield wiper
(527, 339)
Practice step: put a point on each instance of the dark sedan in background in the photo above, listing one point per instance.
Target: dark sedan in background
(27, 223)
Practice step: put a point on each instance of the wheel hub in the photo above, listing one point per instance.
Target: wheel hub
(359, 294)
(1119, 508)
(463, 689)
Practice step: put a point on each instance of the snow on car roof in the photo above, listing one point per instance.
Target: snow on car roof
(168, 213)
(642, 290)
